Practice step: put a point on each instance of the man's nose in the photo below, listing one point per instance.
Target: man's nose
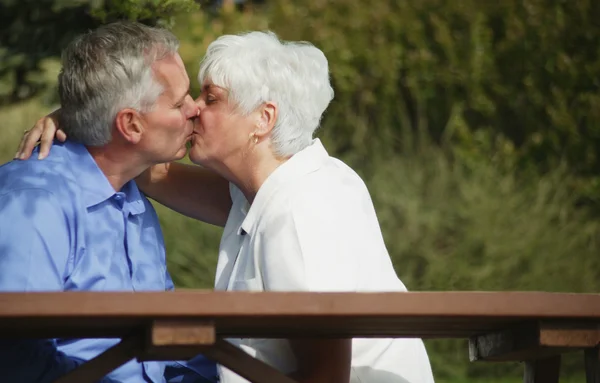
(192, 110)
(195, 111)
(199, 103)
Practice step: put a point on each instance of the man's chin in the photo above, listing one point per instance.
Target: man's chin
(181, 153)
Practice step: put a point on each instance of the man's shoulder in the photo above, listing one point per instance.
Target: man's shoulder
(52, 175)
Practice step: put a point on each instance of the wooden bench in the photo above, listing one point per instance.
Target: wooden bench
(534, 327)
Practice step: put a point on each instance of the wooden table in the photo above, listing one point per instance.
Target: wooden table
(534, 327)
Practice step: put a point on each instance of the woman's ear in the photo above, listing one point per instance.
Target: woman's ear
(129, 125)
(267, 118)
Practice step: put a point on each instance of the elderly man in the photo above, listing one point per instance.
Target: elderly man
(77, 220)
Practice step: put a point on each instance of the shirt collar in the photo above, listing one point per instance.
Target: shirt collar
(94, 184)
(135, 201)
(304, 162)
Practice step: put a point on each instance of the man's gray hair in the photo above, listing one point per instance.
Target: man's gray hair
(107, 70)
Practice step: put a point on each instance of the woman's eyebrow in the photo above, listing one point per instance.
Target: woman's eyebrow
(207, 87)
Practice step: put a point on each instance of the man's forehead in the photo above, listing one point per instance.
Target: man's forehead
(171, 73)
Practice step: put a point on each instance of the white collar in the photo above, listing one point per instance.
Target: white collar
(304, 162)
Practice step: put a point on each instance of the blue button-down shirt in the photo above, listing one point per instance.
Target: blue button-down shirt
(63, 227)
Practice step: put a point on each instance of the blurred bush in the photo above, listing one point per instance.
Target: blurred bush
(525, 73)
(32, 31)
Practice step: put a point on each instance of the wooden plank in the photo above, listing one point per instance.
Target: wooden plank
(265, 304)
(533, 340)
(106, 362)
(572, 335)
(545, 370)
(274, 326)
(181, 333)
(175, 340)
(273, 315)
(592, 365)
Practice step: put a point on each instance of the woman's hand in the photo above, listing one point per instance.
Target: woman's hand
(153, 175)
(44, 131)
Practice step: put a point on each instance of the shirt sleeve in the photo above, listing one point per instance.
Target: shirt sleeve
(169, 285)
(314, 243)
(34, 249)
(34, 241)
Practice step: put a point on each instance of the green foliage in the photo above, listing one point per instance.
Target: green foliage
(505, 231)
(461, 225)
(408, 71)
(474, 124)
(443, 108)
(192, 249)
(32, 31)
(159, 12)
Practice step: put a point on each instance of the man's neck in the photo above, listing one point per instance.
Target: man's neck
(118, 164)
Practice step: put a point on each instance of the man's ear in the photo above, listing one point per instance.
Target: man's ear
(267, 118)
(129, 125)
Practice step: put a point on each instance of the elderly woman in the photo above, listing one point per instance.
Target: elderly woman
(297, 219)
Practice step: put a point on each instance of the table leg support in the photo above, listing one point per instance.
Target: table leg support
(177, 340)
(546, 370)
(592, 365)
(243, 364)
(100, 366)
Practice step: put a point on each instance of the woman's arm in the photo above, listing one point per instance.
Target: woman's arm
(188, 189)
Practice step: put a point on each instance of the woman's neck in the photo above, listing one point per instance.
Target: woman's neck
(251, 171)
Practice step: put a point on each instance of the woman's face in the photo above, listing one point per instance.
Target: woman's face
(221, 135)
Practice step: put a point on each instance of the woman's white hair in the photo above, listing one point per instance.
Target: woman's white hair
(257, 67)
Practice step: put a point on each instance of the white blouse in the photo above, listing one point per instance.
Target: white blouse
(312, 227)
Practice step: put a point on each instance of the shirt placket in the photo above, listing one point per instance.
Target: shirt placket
(150, 370)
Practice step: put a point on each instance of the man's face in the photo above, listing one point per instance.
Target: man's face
(169, 124)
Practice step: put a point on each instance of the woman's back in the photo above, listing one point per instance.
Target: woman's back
(312, 227)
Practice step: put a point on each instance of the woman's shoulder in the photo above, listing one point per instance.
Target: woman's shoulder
(333, 188)
(333, 182)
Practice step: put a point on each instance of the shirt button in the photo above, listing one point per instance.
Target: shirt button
(119, 200)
